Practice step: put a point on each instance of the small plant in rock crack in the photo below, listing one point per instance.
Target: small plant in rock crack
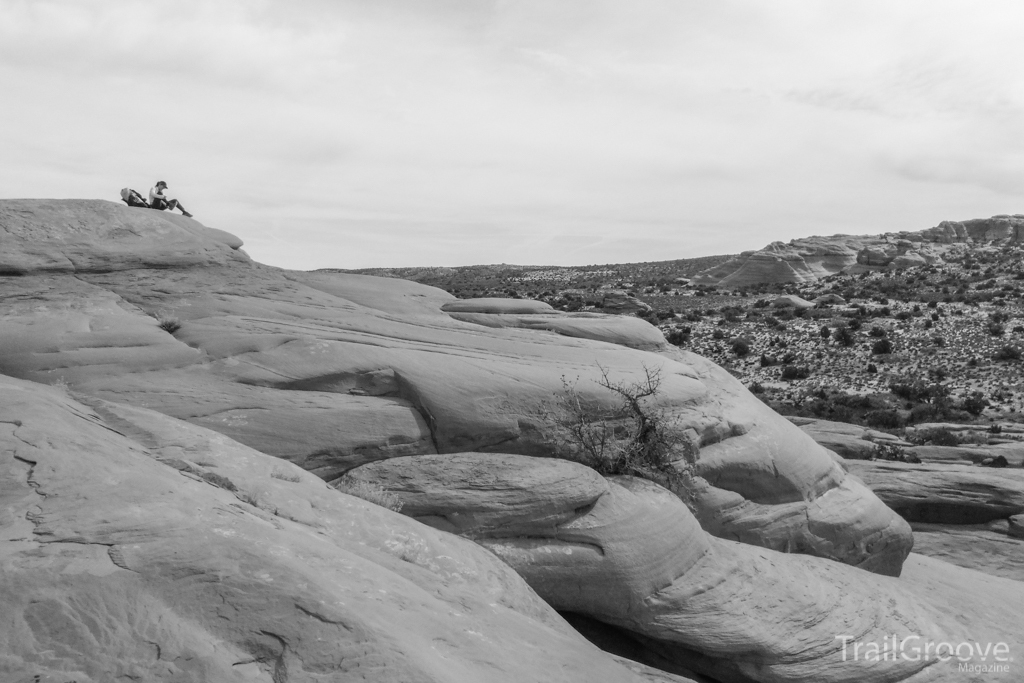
(61, 384)
(370, 492)
(633, 437)
(169, 324)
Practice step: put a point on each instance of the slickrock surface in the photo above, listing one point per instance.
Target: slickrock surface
(628, 553)
(950, 494)
(164, 516)
(83, 235)
(330, 371)
(812, 258)
(848, 440)
(990, 548)
(136, 546)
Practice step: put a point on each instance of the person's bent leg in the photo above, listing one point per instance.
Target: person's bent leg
(175, 204)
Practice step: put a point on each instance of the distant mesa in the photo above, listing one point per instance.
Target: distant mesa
(809, 259)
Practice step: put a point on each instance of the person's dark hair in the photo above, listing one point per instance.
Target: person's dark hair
(160, 182)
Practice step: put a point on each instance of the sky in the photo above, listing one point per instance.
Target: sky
(371, 133)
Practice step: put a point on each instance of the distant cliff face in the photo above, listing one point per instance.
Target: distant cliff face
(811, 258)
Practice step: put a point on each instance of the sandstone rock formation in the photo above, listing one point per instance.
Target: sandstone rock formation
(848, 440)
(946, 493)
(135, 546)
(616, 301)
(812, 258)
(991, 548)
(240, 571)
(626, 552)
(330, 371)
(1016, 527)
(791, 301)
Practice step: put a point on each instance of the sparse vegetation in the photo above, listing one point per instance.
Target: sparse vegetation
(892, 325)
(168, 324)
(284, 475)
(370, 492)
(633, 437)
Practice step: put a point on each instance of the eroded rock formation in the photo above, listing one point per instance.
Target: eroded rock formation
(812, 258)
(626, 552)
(330, 371)
(167, 329)
(137, 546)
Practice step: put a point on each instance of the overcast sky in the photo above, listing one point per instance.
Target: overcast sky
(357, 133)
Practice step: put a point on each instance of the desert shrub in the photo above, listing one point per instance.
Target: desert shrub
(877, 331)
(741, 346)
(825, 332)
(910, 389)
(872, 369)
(731, 316)
(678, 336)
(843, 336)
(370, 492)
(894, 452)
(650, 316)
(168, 324)
(285, 476)
(756, 388)
(939, 436)
(219, 480)
(903, 315)
(854, 323)
(995, 329)
(634, 437)
(881, 347)
(1007, 353)
(718, 334)
(885, 418)
(925, 412)
(768, 361)
(975, 403)
(794, 372)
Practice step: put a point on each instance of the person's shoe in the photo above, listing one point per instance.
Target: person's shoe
(186, 214)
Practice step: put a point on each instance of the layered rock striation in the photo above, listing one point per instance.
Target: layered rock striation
(135, 546)
(626, 552)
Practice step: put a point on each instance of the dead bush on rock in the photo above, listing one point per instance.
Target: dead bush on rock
(633, 437)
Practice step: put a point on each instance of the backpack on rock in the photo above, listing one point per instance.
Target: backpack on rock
(133, 198)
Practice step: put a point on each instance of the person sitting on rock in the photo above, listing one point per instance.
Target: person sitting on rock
(157, 199)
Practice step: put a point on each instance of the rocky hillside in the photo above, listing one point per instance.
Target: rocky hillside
(541, 282)
(189, 441)
(809, 259)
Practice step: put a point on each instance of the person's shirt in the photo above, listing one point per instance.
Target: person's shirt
(155, 193)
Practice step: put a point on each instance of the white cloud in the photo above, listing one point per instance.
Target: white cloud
(351, 134)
